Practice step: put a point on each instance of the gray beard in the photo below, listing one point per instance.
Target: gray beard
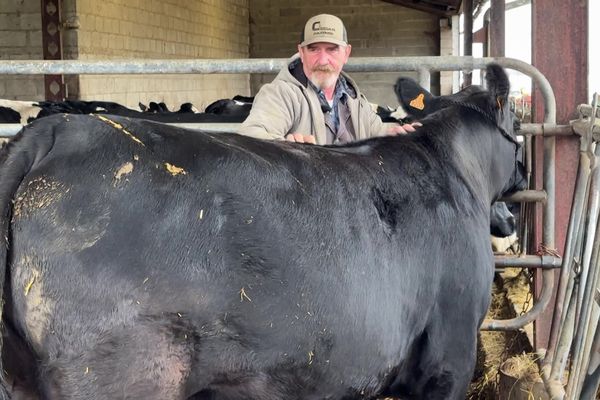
(323, 82)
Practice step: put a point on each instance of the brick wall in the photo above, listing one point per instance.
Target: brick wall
(375, 28)
(162, 29)
(21, 39)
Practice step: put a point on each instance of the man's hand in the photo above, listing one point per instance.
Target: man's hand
(403, 129)
(300, 138)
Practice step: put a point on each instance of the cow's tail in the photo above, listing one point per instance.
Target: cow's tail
(17, 157)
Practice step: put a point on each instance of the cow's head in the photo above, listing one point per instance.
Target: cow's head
(489, 106)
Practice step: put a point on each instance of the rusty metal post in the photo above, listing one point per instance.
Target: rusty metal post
(496, 28)
(567, 43)
(54, 87)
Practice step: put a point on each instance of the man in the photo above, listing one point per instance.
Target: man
(312, 100)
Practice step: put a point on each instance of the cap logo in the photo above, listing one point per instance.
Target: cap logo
(324, 28)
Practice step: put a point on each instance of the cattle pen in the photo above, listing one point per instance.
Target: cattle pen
(586, 127)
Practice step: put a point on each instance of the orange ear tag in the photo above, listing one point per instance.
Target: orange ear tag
(417, 102)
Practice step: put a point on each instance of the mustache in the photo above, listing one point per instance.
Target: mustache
(323, 68)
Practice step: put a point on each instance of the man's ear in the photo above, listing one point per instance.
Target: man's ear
(301, 53)
(348, 50)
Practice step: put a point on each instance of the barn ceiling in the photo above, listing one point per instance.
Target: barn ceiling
(440, 7)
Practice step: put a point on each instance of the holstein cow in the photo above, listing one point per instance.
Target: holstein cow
(18, 112)
(24, 112)
(161, 107)
(238, 108)
(143, 261)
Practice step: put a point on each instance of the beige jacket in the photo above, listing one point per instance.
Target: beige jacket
(289, 106)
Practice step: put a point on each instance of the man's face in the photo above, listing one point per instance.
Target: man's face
(323, 62)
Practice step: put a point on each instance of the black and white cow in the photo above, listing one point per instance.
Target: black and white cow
(22, 112)
(238, 107)
(144, 262)
(18, 112)
(161, 107)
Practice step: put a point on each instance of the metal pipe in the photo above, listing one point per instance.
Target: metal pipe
(592, 379)
(546, 130)
(589, 320)
(588, 279)
(273, 65)
(526, 196)
(555, 352)
(529, 261)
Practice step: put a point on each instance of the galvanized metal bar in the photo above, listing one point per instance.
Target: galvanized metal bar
(587, 278)
(526, 196)
(557, 351)
(592, 378)
(527, 261)
(589, 321)
(273, 65)
(546, 130)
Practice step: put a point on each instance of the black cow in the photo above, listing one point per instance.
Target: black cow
(145, 262)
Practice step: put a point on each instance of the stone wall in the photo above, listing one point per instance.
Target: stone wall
(375, 28)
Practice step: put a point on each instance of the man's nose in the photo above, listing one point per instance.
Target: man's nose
(323, 58)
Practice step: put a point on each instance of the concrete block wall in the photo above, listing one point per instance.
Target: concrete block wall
(375, 28)
(21, 39)
(162, 29)
(449, 46)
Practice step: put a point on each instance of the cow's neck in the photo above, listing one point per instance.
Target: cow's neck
(486, 159)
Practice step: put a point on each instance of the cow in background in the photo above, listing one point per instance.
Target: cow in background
(18, 112)
(237, 107)
(144, 262)
(12, 111)
(161, 107)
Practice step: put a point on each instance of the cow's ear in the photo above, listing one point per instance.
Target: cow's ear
(412, 96)
(497, 84)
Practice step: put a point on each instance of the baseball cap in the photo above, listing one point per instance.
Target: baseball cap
(324, 28)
